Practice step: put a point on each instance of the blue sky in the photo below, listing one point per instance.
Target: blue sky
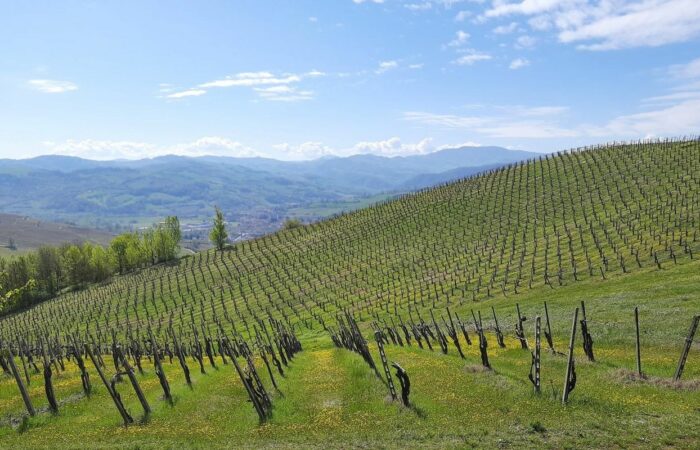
(300, 79)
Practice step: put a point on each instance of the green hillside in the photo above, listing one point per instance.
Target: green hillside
(615, 226)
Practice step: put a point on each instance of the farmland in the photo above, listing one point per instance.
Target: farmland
(614, 226)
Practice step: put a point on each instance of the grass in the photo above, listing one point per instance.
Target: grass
(331, 399)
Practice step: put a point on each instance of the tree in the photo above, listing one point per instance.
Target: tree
(11, 244)
(48, 269)
(290, 224)
(118, 246)
(218, 235)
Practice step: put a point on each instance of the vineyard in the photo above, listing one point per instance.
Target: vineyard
(498, 310)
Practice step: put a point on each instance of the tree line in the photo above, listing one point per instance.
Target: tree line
(39, 275)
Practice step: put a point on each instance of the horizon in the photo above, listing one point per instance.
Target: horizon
(316, 158)
(300, 80)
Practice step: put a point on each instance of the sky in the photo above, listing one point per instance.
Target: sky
(302, 79)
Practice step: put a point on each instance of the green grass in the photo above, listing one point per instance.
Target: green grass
(331, 399)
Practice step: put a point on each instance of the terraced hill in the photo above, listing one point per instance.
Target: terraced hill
(616, 226)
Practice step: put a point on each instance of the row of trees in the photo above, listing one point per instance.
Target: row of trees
(41, 274)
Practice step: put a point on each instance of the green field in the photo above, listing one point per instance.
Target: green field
(616, 227)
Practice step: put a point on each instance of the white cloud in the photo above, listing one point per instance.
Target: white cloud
(506, 29)
(259, 82)
(462, 16)
(386, 66)
(394, 147)
(472, 56)
(502, 122)
(303, 151)
(680, 119)
(648, 23)
(220, 146)
(525, 41)
(460, 145)
(284, 94)
(390, 147)
(251, 79)
(106, 150)
(518, 63)
(52, 86)
(685, 71)
(502, 8)
(367, 1)
(315, 73)
(187, 93)
(416, 66)
(672, 114)
(461, 38)
(608, 24)
(418, 6)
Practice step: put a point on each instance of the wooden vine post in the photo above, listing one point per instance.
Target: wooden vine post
(134, 382)
(535, 368)
(519, 330)
(639, 351)
(570, 378)
(115, 396)
(385, 364)
(20, 383)
(587, 338)
(548, 331)
(686, 348)
(499, 333)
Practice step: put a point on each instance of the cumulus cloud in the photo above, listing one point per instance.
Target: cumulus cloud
(268, 86)
(187, 93)
(506, 29)
(607, 24)
(284, 94)
(671, 114)
(525, 41)
(249, 79)
(519, 122)
(52, 86)
(221, 146)
(418, 6)
(390, 147)
(518, 63)
(472, 56)
(106, 150)
(461, 38)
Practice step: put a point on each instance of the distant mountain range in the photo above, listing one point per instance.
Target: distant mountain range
(250, 190)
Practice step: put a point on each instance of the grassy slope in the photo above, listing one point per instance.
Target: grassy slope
(331, 398)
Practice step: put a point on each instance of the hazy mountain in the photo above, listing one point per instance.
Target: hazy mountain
(97, 193)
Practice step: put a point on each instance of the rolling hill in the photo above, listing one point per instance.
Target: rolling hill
(257, 193)
(614, 226)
